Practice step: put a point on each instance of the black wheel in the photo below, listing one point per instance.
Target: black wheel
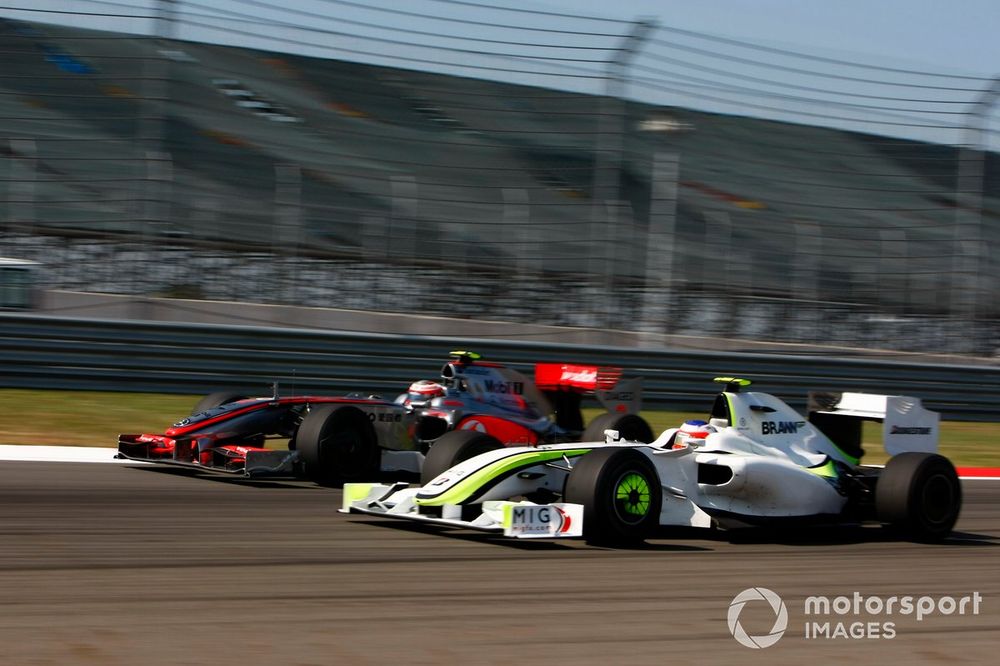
(919, 495)
(630, 426)
(620, 493)
(338, 443)
(452, 448)
(213, 400)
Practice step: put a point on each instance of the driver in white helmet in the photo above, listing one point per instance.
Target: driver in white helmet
(693, 433)
(421, 392)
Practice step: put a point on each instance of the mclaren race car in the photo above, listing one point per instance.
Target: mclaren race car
(357, 436)
(754, 461)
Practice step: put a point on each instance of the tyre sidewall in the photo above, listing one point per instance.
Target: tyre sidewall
(452, 448)
(217, 399)
(338, 443)
(594, 483)
(920, 495)
(631, 427)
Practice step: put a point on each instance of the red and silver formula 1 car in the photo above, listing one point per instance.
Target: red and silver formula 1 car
(356, 436)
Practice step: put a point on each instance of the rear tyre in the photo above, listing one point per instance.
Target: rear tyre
(629, 426)
(620, 493)
(919, 495)
(213, 400)
(452, 448)
(338, 443)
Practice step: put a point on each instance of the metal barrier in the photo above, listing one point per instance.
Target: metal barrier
(112, 355)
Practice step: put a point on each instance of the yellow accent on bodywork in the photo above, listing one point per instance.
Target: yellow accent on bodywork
(729, 380)
(826, 470)
(466, 487)
(354, 492)
(507, 509)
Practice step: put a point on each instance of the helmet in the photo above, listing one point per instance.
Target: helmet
(693, 433)
(423, 391)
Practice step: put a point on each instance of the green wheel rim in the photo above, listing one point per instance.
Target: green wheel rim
(633, 496)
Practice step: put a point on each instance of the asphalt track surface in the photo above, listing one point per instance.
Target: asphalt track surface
(109, 564)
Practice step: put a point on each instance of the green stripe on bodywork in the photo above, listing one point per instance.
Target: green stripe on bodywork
(466, 487)
(732, 410)
(826, 470)
(851, 459)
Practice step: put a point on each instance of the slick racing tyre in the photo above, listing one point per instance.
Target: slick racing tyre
(620, 493)
(217, 399)
(631, 427)
(919, 495)
(338, 443)
(452, 448)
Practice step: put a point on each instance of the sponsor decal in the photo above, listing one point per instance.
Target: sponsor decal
(582, 376)
(539, 520)
(385, 418)
(473, 424)
(503, 388)
(158, 439)
(909, 430)
(780, 427)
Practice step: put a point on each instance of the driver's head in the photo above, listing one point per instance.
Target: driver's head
(423, 391)
(693, 433)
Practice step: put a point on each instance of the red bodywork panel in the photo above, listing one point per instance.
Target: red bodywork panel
(256, 403)
(508, 432)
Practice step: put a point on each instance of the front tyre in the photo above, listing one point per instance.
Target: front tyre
(620, 493)
(213, 400)
(338, 443)
(919, 495)
(452, 448)
(630, 427)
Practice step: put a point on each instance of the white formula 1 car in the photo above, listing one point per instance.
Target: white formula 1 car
(754, 461)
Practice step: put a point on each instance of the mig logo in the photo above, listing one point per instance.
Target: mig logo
(780, 617)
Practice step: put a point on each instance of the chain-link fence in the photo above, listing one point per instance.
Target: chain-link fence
(502, 164)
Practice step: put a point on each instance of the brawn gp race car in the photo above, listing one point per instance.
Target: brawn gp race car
(357, 436)
(754, 461)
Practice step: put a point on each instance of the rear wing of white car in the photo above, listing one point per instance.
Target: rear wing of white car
(906, 424)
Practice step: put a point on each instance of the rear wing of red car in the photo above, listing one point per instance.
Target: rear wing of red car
(564, 385)
(580, 378)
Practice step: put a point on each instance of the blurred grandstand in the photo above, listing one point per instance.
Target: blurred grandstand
(147, 166)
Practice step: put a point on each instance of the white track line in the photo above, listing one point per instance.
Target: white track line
(88, 454)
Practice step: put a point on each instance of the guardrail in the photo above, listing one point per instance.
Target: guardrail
(112, 355)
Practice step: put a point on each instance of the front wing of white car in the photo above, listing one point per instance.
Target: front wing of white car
(523, 520)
